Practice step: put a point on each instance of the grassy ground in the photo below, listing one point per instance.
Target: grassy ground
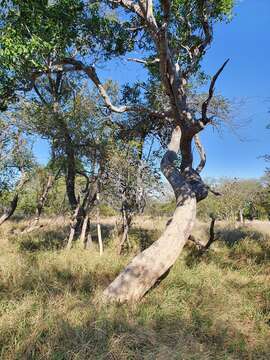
(213, 307)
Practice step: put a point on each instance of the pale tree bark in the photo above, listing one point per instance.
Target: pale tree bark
(241, 217)
(147, 267)
(75, 220)
(89, 241)
(85, 227)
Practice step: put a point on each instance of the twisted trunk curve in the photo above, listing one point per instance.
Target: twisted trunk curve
(148, 266)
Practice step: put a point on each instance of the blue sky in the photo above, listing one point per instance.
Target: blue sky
(247, 77)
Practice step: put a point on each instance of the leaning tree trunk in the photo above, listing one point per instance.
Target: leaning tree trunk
(10, 211)
(14, 202)
(147, 267)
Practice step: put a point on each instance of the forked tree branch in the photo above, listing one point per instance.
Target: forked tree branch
(90, 71)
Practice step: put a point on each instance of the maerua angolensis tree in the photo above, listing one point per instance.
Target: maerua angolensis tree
(180, 32)
(175, 35)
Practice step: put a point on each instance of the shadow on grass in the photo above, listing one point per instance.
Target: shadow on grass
(110, 334)
(231, 236)
(106, 231)
(143, 238)
(56, 281)
(43, 240)
(236, 248)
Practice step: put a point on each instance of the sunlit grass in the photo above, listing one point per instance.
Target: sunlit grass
(213, 307)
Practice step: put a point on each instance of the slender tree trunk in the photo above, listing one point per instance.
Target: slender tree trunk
(212, 237)
(70, 174)
(85, 227)
(89, 241)
(75, 224)
(126, 221)
(147, 267)
(14, 202)
(10, 211)
(100, 243)
(41, 203)
(241, 217)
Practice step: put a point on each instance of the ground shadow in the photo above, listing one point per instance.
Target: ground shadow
(231, 236)
(244, 245)
(106, 232)
(43, 240)
(114, 336)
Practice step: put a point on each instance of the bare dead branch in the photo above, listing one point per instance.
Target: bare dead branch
(212, 237)
(145, 62)
(205, 104)
(216, 193)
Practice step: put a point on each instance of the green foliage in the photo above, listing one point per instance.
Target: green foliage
(248, 196)
(107, 211)
(186, 27)
(36, 35)
(16, 155)
(160, 208)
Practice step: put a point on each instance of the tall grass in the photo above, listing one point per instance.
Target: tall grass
(211, 307)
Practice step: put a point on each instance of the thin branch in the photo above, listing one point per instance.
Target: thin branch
(201, 152)
(145, 62)
(205, 104)
(212, 237)
(91, 73)
(216, 193)
(40, 95)
(129, 5)
(207, 29)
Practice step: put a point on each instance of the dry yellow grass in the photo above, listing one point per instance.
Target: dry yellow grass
(213, 307)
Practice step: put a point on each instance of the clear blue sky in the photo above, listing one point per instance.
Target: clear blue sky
(247, 76)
